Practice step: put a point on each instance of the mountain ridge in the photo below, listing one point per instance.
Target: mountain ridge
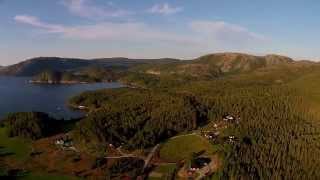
(218, 64)
(207, 65)
(33, 66)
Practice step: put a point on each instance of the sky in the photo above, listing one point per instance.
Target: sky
(182, 29)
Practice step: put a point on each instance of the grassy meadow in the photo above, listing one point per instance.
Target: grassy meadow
(182, 147)
(16, 147)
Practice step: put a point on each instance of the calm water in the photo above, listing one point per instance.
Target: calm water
(17, 95)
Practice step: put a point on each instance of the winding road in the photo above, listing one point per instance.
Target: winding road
(150, 156)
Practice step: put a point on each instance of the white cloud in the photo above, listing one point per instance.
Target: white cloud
(126, 31)
(201, 36)
(34, 21)
(224, 31)
(85, 8)
(164, 9)
(224, 36)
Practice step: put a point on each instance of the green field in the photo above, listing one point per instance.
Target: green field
(17, 147)
(182, 147)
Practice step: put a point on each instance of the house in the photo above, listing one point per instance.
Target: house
(64, 142)
(59, 142)
(82, 107)
(215, 125)
(231, 139)
(211, 135)
(229, 118)
(208, 136)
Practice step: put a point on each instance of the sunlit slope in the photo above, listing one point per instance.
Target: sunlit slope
(214, 65)
(270, 69)
(309, 86)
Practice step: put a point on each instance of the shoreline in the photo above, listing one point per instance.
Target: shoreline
(60, 82)
(67, 82)
(44, 92)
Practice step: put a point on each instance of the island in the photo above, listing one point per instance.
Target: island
(82, 76)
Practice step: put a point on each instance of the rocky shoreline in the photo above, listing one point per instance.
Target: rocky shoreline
(57, 82)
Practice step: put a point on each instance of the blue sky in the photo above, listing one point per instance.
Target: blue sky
(156, 28)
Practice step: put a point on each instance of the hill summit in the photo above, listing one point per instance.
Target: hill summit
(238, 62)
(214, 65)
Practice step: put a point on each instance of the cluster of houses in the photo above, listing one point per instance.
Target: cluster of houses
(213, 135)
(231, 119)
(65, 143)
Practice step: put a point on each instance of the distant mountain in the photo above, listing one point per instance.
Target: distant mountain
(35, 66)
(213, 65)
(237, 62)
(208, 66)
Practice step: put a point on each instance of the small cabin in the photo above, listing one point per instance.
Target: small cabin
(82, 107)
(231, 139)
(211, 135)
(59, 142)
(232, 119)
(215, 125)
(229, 118)
(64, 142)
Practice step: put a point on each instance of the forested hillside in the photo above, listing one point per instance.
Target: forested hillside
(90, 74)
(274, 102)
(277, 137)
(35, 66)
(138, 118)
(278, 134)
(216, 65)
(32, 125)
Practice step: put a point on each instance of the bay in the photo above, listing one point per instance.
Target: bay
(17, 95)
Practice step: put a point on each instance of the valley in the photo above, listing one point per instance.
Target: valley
(159, 90)
(220, 116)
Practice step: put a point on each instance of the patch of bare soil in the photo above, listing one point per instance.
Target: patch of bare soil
(48, 157)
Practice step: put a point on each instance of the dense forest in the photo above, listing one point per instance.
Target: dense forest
(276, 101)
(34, 125)
(136, 118)
(277, 137)
(84, 75)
